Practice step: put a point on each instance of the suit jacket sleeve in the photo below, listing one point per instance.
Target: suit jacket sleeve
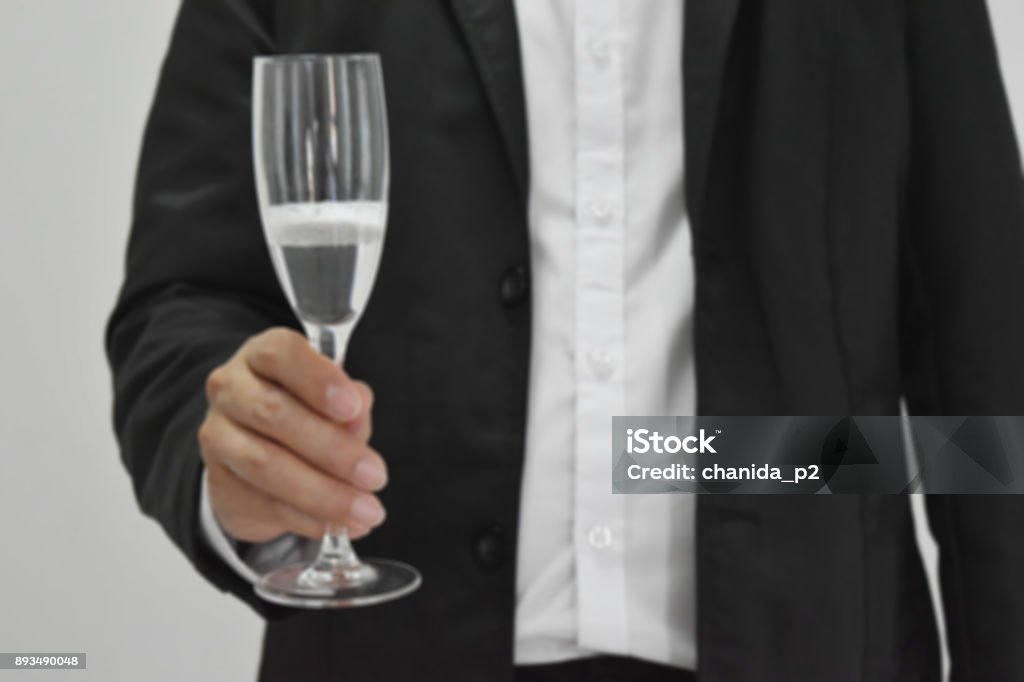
(964, 317)
(198, 276)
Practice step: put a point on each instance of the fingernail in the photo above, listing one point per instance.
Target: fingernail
(370, 475)
(343, 402)
(367, 511)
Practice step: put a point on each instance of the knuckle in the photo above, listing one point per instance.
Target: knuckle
(264, 355)
(207, 437)
(268, 411)
(270, 347)
(216, 381)
(256, 460)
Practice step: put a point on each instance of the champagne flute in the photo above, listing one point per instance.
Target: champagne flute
(320, 139)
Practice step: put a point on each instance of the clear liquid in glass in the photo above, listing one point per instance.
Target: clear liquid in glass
(326, 255)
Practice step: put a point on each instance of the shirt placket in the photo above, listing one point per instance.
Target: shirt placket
(599, 529)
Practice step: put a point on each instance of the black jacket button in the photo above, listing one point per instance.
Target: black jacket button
(515, 285)
(489, 547)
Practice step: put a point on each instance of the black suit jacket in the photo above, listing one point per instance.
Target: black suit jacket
(858, 217)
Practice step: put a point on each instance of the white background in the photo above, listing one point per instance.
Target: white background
(80, 568)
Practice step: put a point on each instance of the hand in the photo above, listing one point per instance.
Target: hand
(285, 443)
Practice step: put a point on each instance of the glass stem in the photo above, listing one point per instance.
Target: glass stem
(336, 552)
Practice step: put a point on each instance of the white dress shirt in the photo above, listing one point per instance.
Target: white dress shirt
(613, 290)
(613, 295)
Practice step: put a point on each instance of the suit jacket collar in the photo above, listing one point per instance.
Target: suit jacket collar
(492, 34)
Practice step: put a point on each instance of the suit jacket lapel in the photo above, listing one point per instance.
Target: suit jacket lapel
(709, 29)
(492, 34)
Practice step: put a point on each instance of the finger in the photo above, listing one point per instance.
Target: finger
(285, 357)
(331, 447)
(250, 515)
(277, 472)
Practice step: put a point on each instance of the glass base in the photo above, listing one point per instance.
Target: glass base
(373, 581)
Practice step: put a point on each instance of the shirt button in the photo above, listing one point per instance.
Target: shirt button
(514, 286)
(600, 52)
(599, 537)
(601, 364)
(600, 210)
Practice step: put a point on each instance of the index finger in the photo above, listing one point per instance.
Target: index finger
(286, 358)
